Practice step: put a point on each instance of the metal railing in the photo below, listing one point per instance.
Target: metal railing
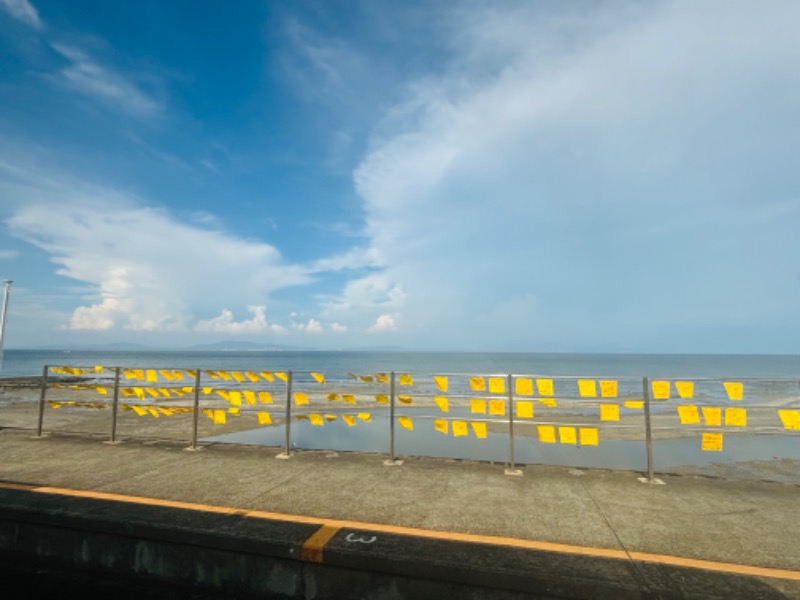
(565, 411)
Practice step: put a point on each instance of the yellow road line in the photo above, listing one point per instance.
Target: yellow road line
(337, 524)
(312, 548)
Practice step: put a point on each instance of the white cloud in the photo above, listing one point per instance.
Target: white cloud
(88, 77)
(225, 322)
(588, 174)
(383, 323)
(22, 10)
(313, 326)
(151, 271)
(8, 254)
(338, 328)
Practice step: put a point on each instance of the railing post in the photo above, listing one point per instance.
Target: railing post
(41, 401)
(114, 408)
(648, 434)
(392, 458)
(195, 411)
(511, 470)
(288, 424)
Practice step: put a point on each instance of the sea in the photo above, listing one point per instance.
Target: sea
(21, 363)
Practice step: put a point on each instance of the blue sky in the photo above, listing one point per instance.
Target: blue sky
(535, 176)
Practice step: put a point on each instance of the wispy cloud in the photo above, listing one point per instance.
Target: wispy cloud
(88, 77)
(8, 254)
(580, 178)
(22, 10)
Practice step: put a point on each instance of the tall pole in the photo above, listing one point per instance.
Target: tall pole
(7, 283)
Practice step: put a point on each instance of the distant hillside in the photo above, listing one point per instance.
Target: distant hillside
(242, 347)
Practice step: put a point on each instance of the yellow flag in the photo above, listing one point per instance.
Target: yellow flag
(101, 390)
(477, 384)
(127, 392)
(660, 389)
(333, 397)
(497, 407)
(219, 417)
(164, 392)
(712, 442)
(381, 398)
(524, 409)
(368, 379)
(609, 412)
(179, 376)
(283, 377)
(366, 417)
(688, 414)
(588, 436)
(55, 404)
(140, 410)
(206, 411)
(224, 375)
(442, 403)
(316, 420)
(267, 376)
(567, 435)
(250, 397)
(524, 386)
(636, 404)
(547, 434)
(441, 425)
(139, 373)
(459, 428)
(130, 374)
(790, 419)
(476, 405)
(300, 398)
(382, 377)
(479, 429)
(349, 398)
(166, 374)
(497, 385)
(587, 389)
(331, 417)
(441, 382)
(685, 389)
(319, 378)
(608, 389)
(406, 379)
(735, 390)
(252, 376)
(237, 376)
(712, 415)
(349, 419)
(224, 395)
(406, 399)
(98, 368)
(265, 397)
(736, 417)
(264, 418)
(406, 423)
(152, 376)
(233, 411)
(152, 392)
(235, 398)
(212, 374)
(550, 402)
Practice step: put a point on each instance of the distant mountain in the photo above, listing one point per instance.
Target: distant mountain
(112, 346)
(243, 347)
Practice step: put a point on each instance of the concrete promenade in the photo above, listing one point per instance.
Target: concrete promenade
(422, 529)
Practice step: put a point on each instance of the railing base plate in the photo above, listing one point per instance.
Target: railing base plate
(654, 481)
(513, 472)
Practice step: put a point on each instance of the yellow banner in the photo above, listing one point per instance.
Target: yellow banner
(349, 398)
(300, 398)
(587, 388)
(459, 428)
(235, 398)
(442, 403)
(635, 404)
(524, 386)
(735, 390)
(736, 417)
(264, 418)
(406, 379)
(567, 435)
(688, 415)
(406, 423)
(497, 385)
(253, 377)
(660, 390)
(790, 419)
(152, 376)
(366, 417)
(685, 389)
(249, 396)
(442, 426)
(267, 376)
(588, 436)
(316, 420)
(609, 412)
(524, 409)
(441, 382)
(381, 398)
(406, 399)
(382, 377)
(349, 419)
(478, 384)
(479, 429)
(547, 434)
(319, 378)
(608, 389)
(497, 407)
(478, 406)
(712, 415)
(712, 442)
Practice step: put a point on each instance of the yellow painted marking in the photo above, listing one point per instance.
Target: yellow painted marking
(678, 561)
(313, 546)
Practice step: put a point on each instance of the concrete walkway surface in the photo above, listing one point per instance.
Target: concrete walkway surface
(692, 537)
